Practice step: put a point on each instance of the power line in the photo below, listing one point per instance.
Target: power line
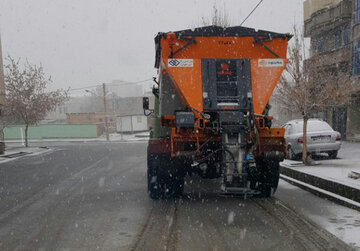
(252, 12)
(111, 84)
(82, 88)
(130, 83)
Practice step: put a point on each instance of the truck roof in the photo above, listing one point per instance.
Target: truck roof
(235, 31)
(217, 31)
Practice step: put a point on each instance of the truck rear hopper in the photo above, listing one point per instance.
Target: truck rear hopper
(211, 110)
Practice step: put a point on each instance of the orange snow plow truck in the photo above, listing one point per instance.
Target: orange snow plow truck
(211, 110)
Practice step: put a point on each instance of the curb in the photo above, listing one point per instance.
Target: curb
(334, 191)
(17, 155)
(322, 193)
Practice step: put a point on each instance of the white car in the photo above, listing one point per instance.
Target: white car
(321, 138)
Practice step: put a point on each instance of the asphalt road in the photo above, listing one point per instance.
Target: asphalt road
(93, 197)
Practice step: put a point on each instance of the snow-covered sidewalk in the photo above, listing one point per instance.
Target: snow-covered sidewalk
(331, 175)
(336, 170)
(12, 153)
(114, 137)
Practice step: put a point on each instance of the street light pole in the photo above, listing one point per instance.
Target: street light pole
(105, 114)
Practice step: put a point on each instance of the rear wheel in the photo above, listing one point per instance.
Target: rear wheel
(333, 154)
(155, 182)
(174, 187)
(155, 187)
(270, 175)
(174, 179)
(165, 177)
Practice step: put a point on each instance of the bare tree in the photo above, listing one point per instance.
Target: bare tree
(6, 120)
(218, 18)
(27, 99)
(309, 87)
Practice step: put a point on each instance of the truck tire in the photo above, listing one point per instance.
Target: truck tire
(155, 187)
(174, 187)
(174, 180)
(270, 175)
(155, 182)
(165, 177)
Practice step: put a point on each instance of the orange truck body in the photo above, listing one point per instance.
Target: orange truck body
(188, 79)
(242, 66)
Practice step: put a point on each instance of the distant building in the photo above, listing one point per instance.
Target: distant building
(124, 103)
(73, 105)
(92, 118)
(334, 30)
(132, 123)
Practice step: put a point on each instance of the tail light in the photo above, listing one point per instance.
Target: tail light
(300, 140)
(338, 138)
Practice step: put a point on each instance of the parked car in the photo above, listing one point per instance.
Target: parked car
(321, 138)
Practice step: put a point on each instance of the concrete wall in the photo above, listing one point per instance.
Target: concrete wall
(123, 124)
(134, 123)
(139, 123)
(53, 131)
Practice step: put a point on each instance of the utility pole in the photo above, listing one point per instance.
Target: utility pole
(2, 103)
(106, 114)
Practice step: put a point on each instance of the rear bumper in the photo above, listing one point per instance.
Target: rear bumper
(318, 148)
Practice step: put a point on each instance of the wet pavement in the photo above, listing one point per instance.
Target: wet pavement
(93, 197)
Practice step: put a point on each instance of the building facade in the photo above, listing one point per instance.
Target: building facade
(353, 125)
(333, 29)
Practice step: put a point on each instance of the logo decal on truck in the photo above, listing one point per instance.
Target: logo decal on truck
(271, 63)
(180, 62)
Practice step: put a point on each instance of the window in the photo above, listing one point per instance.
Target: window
(356, 58)
(357, 11)
(347, 35)
(320, 45)
(337, 39)
(314, 126)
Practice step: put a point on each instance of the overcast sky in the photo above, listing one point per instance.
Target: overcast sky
(87, 42)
